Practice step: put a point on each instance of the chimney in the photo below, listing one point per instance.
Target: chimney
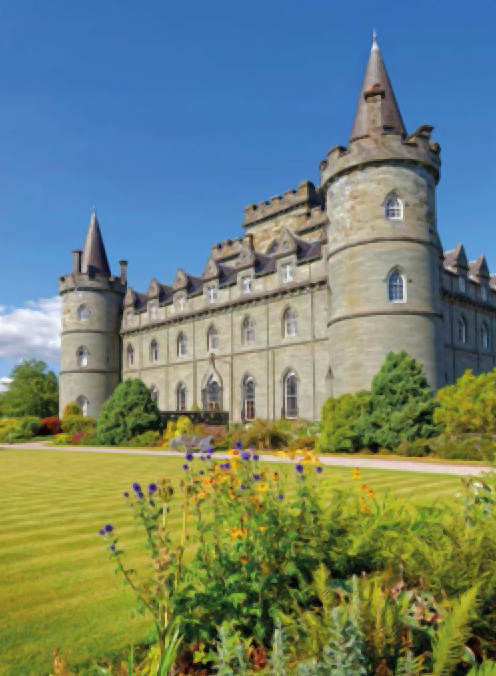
(76, 260)
(123, 265)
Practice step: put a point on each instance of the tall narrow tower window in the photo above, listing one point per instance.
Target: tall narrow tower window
(247, 331)
(249, 398)
(484, 336)
(396, 287)
(291, 395)
(181, 397)
(212, 339)
(82, 357)
(82, 313)
(462, 330)
(82, 402)
(154, 351)
(461, 284)
(182, 345)
(130, 356)
(394, 209)
(484, 293)
(289, 323)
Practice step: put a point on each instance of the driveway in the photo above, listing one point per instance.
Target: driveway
(352, 461)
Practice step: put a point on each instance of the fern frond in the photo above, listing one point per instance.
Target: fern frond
(408, 665)
(487, 668)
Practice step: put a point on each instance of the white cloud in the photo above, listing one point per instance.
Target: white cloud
(31, 332)
(4, 383)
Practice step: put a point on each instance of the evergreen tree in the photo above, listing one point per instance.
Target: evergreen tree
(33, 391)
(128, 412)
(401, 407)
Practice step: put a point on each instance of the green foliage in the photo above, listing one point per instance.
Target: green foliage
(401, 406)
(18, 429)
(340, 431)
(32, 392)
(128, 412)
(72, 409)
(71, 424)
(150, 438)
(469, 405)
(261, 434)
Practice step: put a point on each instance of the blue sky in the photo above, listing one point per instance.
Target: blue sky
(172, 117)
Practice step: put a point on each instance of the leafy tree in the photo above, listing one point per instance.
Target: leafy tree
(128, 412)
(33, 391)
(340, 431)
(469, 405)
(401, 407)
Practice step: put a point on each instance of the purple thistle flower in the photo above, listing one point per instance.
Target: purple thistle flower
(101, 531)
(126, 494)
(238, 445)
(167, 510)
(245, 455)
(136, 487)
(201, 472)
(152, 488)
(202, 457)
(109, 528)
(319, 470)
(189, 456)
(280, 496)
(227, 465)
(112, 548)
(210, 449)
(140, 495)
(256, 457)
(185, 467)
(299, 468)
(256, 477)
(209, 457)
(243, 487)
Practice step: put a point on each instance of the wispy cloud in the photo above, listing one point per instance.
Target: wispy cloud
(31, 332)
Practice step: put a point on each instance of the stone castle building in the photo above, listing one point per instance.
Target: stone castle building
(322, 284)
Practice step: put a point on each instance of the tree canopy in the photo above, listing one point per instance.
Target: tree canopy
(34, 391)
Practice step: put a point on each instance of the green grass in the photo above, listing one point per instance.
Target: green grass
(57, 586)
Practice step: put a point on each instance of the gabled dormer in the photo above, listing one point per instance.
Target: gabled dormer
(180, 281)
(456, 259)
(246, 258)
(153, 289)
(211, 270)
(478, 269)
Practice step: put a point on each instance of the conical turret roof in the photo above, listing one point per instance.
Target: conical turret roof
(376, 77)
(94, 253)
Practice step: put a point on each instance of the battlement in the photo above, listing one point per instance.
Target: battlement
(416, 148)
(231, 247)
(304, 194)
(77, 281)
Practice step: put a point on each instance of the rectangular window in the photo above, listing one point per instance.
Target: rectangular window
(461, 284)
(212, 294)
(246, 284)
(287, 273)
(484, 293)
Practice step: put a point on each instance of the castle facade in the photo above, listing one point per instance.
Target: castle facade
(324, 282)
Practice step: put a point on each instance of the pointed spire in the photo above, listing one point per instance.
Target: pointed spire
(377, 80)
(94, 253)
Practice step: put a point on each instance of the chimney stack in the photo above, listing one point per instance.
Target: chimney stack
(76, 260)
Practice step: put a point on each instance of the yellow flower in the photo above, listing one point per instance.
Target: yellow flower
(364, 487)
(236, 533)
(262, 487)
(275, 476)
(262, 528)
(370, 493)
(234, 452)
(190, 516)
(280, 454)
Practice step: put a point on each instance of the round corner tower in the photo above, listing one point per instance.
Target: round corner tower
(90, 367)
(384, 255)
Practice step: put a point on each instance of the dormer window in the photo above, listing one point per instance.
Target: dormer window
(181, 304)
(483, 293)
(462, 285)
(287, 273)
(394, 209)
(153, 312)
(246, 285)
(212, 294)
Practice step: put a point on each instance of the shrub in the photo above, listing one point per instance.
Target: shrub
(71, 409)
(339, 426)
(419, 448)
(401, 406)
(129, 411)
(149, 438)
(72, 424)
(49, 426)
(464, 447)
(18, 429)
(261, 434)
(469, 405)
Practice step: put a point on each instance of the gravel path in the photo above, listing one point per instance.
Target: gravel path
(356, 461)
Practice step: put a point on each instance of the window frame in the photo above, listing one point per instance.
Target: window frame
(182, 340)
(154, 351)
(462, 330)
(287, 278)
(288, 321)
(130, 355)
(82, 353)
(154, 393)
(83, 406)
(396, 211)
(484, 336)
(391, 286)
(248, 333)
(84, 307)
(462, 285)
(249, 410)
(212, 294)
(290, 413)
(484, 294)
(181, 393)
(244, 279)
(212, 333)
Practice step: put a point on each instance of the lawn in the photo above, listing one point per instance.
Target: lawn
(57, 586)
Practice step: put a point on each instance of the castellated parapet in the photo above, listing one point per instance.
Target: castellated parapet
(304, 194)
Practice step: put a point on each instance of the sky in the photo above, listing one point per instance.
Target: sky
(170, 118)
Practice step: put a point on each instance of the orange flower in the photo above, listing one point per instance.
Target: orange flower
(364, 487)
(262, 487)
(275, 476)
(243, 559)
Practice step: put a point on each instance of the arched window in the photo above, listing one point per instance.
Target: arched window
(212, 339)
(291, 395)
(394, 208)
(182, 345)
(154, 351)
(247, 331)
(484, 336)
(82, 357)
(249, 398)
(396, 287)
(289, 323)
(154, 393)
(212, 395)
(82, 313)
(82, 402)
(181, 397)
(462, 330)
(130, 355)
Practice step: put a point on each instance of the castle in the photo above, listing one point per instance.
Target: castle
(324, 282)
